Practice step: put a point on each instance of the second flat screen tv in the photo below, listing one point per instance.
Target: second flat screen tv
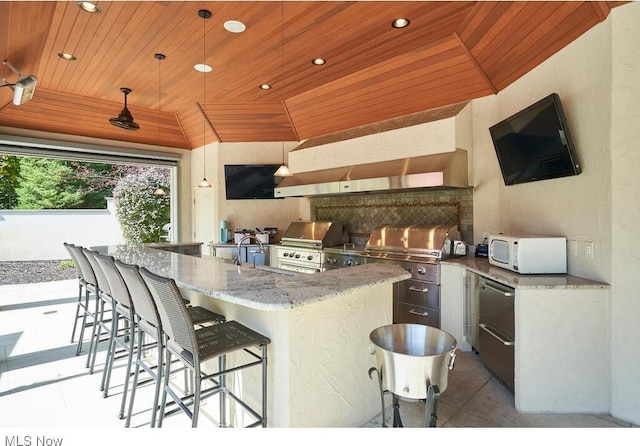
(534, 144)
(250, 181)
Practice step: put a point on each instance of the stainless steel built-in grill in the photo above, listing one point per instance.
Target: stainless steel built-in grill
(303, 243)
(417, 249)
(343, 256)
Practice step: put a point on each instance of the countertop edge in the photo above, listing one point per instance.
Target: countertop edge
(253, 287)
(482, 267)
(326, 293)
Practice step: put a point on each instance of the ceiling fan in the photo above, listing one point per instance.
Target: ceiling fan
(125, 119)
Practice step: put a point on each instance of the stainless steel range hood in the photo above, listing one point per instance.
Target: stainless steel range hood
(445, 170)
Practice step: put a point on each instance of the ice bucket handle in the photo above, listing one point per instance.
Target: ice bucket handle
(452, 358)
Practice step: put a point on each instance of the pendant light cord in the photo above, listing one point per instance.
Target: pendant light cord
(204, 14)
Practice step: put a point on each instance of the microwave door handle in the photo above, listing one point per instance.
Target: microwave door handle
(504, 293)
(502, 341)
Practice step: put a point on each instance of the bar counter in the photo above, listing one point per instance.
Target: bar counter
(319, 327)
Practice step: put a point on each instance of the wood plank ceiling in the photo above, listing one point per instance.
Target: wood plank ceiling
(451, 52)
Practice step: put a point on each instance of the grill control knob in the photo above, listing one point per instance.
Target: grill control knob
(297, 256)
(349, 262)
(422, 271)
(310, 257)
(286, 254)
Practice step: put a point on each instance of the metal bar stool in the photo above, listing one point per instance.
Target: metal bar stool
(122, 310)
(105, 306)
(195, 347)
(89, 283)
(149, 324)
(81, 284)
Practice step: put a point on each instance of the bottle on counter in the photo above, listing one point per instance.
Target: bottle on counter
(224, 231)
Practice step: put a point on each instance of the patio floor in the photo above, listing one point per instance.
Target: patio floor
(43, 384)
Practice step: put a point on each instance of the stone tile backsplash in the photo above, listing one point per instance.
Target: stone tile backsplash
(361, 213)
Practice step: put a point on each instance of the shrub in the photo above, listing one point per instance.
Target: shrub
(141, 213)
(66, 264)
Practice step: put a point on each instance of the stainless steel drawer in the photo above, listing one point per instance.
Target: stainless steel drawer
(414, 314)
(497, 353)
(419, 293)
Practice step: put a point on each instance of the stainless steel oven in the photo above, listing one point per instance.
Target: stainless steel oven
(497, 335)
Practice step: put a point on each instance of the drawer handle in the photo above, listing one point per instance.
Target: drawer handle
(417, 313)
(504, 293)
(502, 341)
(420, 290)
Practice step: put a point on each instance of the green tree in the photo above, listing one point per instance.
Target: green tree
(47, 184)
(97, 180)
(141, 213)
(9, 172)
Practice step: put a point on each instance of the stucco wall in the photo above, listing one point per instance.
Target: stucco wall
(39, 235)
(579, 207)
(625, 175)
(246, 214)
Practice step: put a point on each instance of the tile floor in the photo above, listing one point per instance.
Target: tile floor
(44, 384)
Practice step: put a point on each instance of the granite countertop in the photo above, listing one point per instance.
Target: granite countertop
(482, 266)
(263, 287)
(169, 244)
(234, 244)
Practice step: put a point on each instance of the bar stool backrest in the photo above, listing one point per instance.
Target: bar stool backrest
(102, 282)
(86, 270)
(140, 294)
(119, 290)
(73, 258)
(173, 312)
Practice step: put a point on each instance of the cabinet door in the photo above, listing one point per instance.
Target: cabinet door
(452, 304)
(471, 313)
(262, 258)
(226, 253)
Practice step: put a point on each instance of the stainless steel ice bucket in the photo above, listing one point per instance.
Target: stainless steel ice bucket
(411, 357)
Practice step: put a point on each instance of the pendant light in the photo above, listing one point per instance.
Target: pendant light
(159, 190)
(204, 14)
(283, 170)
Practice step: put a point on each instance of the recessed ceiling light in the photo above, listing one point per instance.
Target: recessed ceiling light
(318, 61)
(66, 56)
(265, 87)
(234, 26)
(89, 7)
(202, 67)
(400, 23)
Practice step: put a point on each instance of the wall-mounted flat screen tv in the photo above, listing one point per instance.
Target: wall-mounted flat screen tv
(250, 181)
(534, 144)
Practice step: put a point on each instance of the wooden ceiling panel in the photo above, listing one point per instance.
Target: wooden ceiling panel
(528, 34)
(194, 127)
(451, 52)
(417, 81)
(70, 114)
(235, 122)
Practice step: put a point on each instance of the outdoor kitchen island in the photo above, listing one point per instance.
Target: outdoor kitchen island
(319, 325)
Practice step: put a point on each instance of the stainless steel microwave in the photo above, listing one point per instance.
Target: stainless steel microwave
(529, 254)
